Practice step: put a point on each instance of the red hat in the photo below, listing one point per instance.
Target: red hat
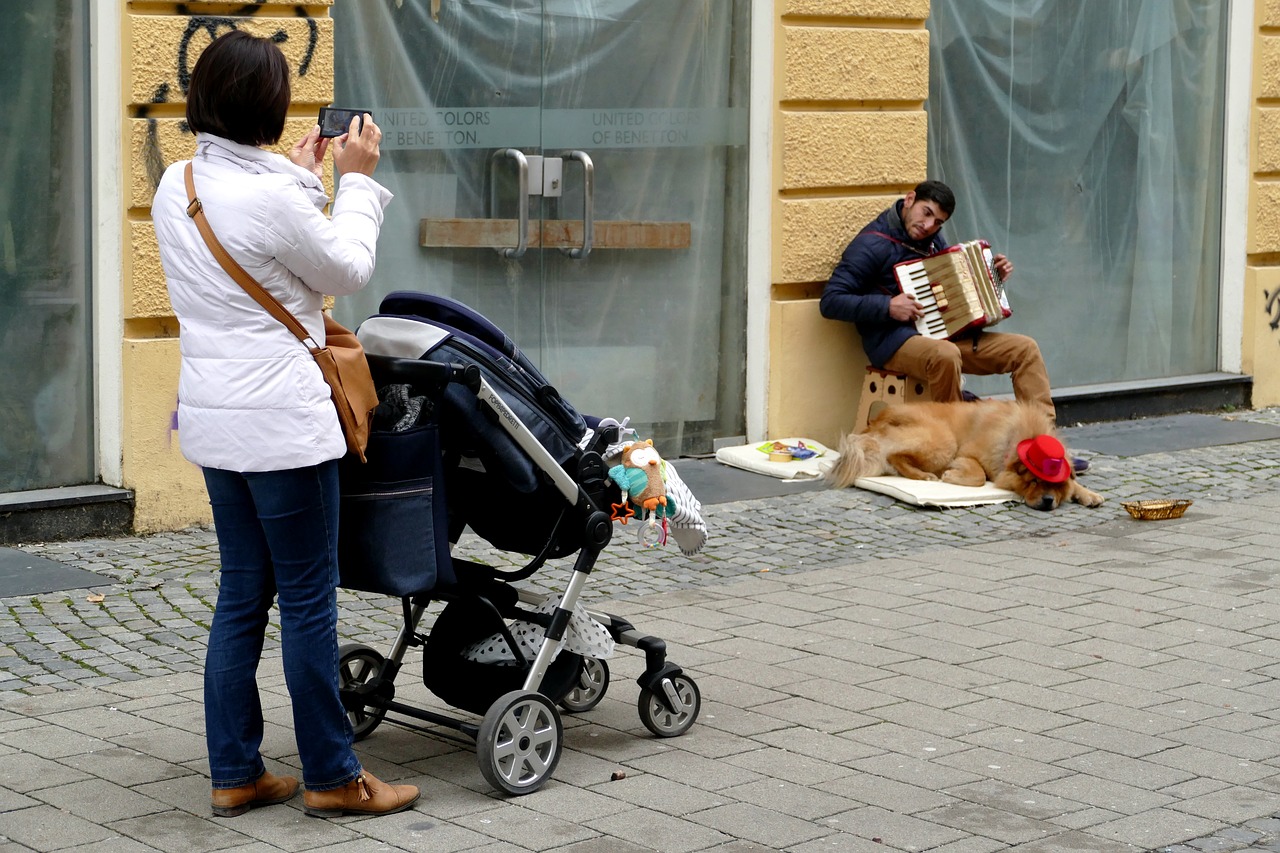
(1045, 457)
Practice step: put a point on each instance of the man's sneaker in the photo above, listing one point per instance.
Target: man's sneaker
(1079, 465)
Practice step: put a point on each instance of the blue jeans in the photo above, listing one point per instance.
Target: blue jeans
(278, 536)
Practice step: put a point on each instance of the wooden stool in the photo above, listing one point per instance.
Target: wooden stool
(883, 388)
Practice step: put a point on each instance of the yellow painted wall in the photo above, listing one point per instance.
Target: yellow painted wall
(161, 44)
(1261, 346)
(850, 138)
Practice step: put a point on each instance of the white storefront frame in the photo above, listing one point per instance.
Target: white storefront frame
(106, 64)
(759, 217)
(1236, 177)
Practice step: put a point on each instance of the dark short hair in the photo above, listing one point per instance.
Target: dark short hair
(240, 90)
(938, 193)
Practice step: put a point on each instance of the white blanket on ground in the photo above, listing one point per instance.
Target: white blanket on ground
(749, 457)
(935, 492)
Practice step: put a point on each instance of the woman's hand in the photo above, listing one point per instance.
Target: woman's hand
(357, 149)
(308, 152)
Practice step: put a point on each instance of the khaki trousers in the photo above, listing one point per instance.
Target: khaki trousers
(941, 363)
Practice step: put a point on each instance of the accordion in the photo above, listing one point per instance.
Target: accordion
(959, 288)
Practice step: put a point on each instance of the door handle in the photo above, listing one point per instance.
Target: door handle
(588, 201)
(522, 227)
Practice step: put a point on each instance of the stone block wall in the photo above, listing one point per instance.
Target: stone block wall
(1260, 349)
(161, 44)
(850, 138)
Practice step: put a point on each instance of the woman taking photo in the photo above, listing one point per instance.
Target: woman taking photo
(255, 413)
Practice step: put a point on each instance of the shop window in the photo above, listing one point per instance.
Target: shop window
(1085, 141)
(46, 435)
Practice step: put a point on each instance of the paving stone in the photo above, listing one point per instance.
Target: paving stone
(977, 819)
(24, 772)
(417, 831)
(664, 795)
(12, 801)
(754, 823)
(52, 741)
(1153, 829)
(651, 829)
(1233, 805)
(99, 801)
(177, 832)
(842, 842)
(897, 831)
(119, 844)
(1126, 770)
(1214, 765)
(45, 828)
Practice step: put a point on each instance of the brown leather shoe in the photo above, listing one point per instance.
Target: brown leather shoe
(364, 795)
(268, 789)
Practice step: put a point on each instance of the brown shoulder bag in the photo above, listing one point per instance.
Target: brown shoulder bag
(341, 360)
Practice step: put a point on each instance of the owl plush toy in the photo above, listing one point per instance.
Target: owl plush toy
(639, 476)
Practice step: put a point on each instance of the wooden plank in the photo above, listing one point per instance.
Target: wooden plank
(470, 233)
(553, 234)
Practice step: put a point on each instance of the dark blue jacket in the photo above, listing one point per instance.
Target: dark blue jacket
(862, 284)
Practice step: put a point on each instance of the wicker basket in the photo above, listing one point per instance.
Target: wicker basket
(1154, 510)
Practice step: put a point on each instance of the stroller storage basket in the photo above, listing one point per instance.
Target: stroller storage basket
(474, 686)
(393, 527)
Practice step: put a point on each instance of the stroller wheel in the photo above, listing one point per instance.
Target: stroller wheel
(593, 681)
(360, 671)
(664, 721)
(519, 742)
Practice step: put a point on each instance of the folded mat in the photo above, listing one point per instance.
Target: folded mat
(749, 457)
(935, 492)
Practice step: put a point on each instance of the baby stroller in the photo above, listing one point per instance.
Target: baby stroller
(492, 447)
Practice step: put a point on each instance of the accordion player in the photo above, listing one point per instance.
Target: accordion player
(959, 288)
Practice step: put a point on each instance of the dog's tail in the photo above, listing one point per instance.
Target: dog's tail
(859, 457)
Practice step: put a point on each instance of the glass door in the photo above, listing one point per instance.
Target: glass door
(575, 172)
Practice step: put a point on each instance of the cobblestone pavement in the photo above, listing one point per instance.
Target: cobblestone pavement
(145, 625)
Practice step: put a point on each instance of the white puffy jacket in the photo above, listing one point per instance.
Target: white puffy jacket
(250, 396)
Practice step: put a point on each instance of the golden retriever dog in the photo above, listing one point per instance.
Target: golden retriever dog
(966, 443)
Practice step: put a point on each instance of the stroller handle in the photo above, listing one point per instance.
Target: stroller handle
(428, 376)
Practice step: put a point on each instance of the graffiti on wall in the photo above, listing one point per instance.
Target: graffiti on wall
(200, 31)
(1272, 307)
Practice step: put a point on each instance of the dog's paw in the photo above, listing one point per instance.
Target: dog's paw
(1084, 497)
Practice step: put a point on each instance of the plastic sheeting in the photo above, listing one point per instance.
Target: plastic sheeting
(655, 92)
(1084, 139)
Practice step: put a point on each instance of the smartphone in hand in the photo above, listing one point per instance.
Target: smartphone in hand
(335, 121)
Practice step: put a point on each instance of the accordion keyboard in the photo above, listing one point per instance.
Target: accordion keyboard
(914, 279)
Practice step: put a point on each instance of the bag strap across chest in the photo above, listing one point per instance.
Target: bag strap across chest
(250, 284)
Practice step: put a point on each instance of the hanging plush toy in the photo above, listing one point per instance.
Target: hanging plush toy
(665, 502)
(640, 477)
(641, 456)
